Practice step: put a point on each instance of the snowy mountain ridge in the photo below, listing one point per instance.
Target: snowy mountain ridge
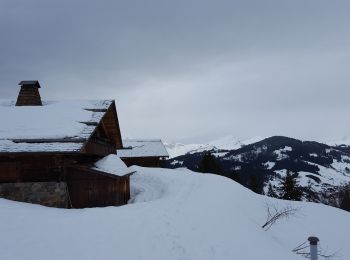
(343, 141)
(321, 169)
(224, 143)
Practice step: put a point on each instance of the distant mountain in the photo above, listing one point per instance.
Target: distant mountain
(224, 143)
(344, 141)
(321, 168)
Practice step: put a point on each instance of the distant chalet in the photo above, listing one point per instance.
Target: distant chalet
(49, 151)
(147, 153)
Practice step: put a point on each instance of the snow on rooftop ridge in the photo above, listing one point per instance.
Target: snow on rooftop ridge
(54, 120)
(52, 123)
(142, 148)
(7, 146)
(112, 164)
(90, 103)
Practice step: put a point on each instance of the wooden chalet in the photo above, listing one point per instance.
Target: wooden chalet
(147, 153)
(49, 151)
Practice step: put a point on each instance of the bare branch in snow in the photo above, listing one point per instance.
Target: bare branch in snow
(274, 214)
(304, 250)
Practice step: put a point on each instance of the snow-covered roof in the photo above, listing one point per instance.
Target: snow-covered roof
(142, 148)
(112, 164)
(57, 126)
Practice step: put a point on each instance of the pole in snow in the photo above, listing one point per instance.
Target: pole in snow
(313, 247)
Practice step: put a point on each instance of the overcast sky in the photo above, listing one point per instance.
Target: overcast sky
(189, 70)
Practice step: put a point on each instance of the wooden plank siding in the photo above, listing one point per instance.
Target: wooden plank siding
(106, 138)
(99, 146)
(32, 168)
(9, 171)
(111, 125)
(89, 188)
(29, 96)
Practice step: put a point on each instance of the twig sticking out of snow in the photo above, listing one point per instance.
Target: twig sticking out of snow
(304, 250)
(274, 214)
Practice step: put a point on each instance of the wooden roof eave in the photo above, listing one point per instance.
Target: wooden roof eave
(83, 148)
(51, 140)
(39, 153)
(117, 121)
(139, 157)
(92, 170)
(112, 106)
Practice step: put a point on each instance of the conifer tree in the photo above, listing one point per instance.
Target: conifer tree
(344, 198)
(309, 193)
(236, 177)
(253, 185)
(209, 164)
(289, 187)
(271, 192)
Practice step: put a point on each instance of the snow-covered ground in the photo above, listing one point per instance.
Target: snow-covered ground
(224, 143)
(173, 214)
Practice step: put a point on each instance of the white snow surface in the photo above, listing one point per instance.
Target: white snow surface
(224, 143)
(54, 121)
(270, 165)
(142, 148)
(112, 164)
(10, 146)
(173, 214)
(335, 176)
(282, 153)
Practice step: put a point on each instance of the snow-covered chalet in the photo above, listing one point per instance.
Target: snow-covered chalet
(67, 153)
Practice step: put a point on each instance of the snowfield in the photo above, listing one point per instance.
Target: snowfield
(173, 214)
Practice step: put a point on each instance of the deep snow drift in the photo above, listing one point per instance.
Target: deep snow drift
(112, 164)
(174, 214)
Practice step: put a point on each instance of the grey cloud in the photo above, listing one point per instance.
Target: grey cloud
(188, 69)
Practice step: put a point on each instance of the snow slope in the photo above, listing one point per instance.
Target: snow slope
(174, 214)
(224, 143)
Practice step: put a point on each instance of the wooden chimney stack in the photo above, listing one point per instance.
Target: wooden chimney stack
(29, 94)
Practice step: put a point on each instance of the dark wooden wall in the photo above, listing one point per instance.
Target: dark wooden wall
(106, 138)
(143, 161)
(32, 168)
(99, 146)
(87, 188)
(111, 125)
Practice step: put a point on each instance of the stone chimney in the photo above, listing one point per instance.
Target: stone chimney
(29, 94)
